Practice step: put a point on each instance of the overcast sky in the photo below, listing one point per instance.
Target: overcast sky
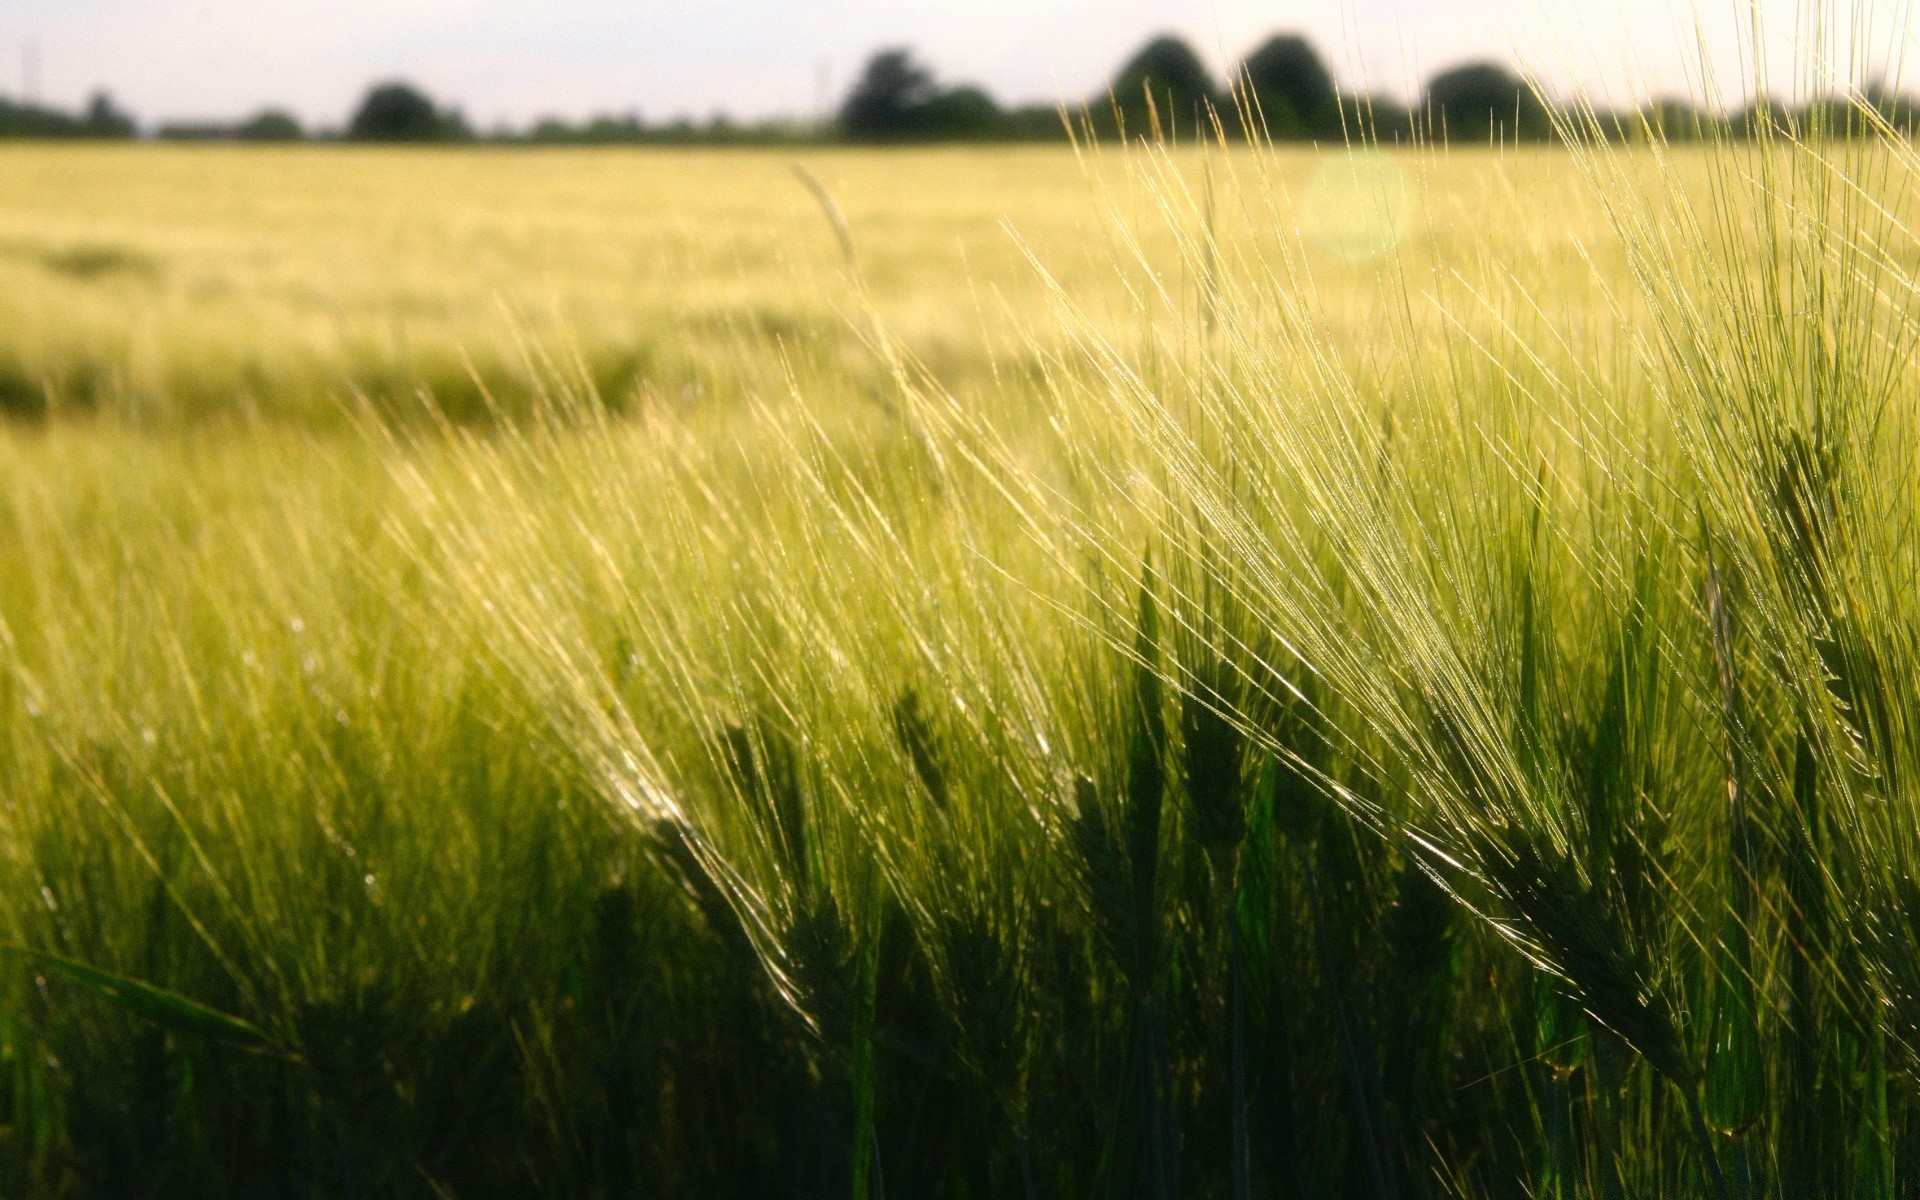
(517, 59)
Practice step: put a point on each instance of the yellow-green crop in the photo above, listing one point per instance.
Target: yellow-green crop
(1150, 673)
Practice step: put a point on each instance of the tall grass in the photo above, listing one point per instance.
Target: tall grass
(1432, 725)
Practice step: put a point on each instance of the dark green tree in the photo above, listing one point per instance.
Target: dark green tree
(959, 113)
(105, 119)
(898, 100)
(1898, 109)
(270, 125)
(1181, 87)
(101, 120)
(1485, 100)
(400, 112)
(1765, 115)
(881, 107)
(1674, 121)
(1288, 88)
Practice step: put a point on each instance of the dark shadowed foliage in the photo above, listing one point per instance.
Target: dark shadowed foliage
(193, 131)
(600, 130)
(270, 125)
(101, 120)
(1289, 89)
(400, 112)
(1897, 109)
(104, 118)
(881, 106)
(898, 100)
(1765, 115)
(1165, 83)
(1283, 91)
(961, 112)
(1675, 120)
(1485, 100)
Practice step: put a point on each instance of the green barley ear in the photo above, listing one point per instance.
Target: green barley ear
(765, 768)
(1808, 535)
(916, 738)
(820, 951)
(742, 763)
(1213, 754)
(1583, 943)
(1805, 501)
(676, 848)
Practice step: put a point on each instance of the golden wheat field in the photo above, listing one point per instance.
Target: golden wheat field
(171, 282)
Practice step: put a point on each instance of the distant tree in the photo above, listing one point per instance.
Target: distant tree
(1290, 89)
(192, 131)
(1383, 119)
(1765, 115)
(1830, 116)
(400, 112)
(880, 108)
(101, 119)
(958, 114)
(898, 100)
(1035, 123)
(104, 118)
(1180, 85)
(270, 125)
(33, 121)
(1896, 108)
(1482, 100)
(1673, 120)
(607, 129)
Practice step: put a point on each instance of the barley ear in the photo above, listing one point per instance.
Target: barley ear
(1585, 945)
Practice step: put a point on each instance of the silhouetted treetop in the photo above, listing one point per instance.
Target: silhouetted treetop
(1482, 100)
(880, 106)
(400, 112)
(961, 112)
(1181, 87)
(1283, 89)
(896, 100)
(105, 119)
(270, 125)
(1291, 88)
(102, 119)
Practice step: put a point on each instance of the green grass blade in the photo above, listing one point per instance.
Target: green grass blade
(170, 1010)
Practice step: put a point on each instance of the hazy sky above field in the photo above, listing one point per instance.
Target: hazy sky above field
(512, 60)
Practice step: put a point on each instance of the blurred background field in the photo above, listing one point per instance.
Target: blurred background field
(166, 284)
(162, 281)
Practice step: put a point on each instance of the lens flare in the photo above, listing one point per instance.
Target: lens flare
(1357, 205)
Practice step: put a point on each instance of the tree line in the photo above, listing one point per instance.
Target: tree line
(1284, 91)
(101, 118)
(1281, 91)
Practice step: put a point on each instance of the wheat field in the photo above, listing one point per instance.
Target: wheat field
(1031, 672)
(169, 283)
